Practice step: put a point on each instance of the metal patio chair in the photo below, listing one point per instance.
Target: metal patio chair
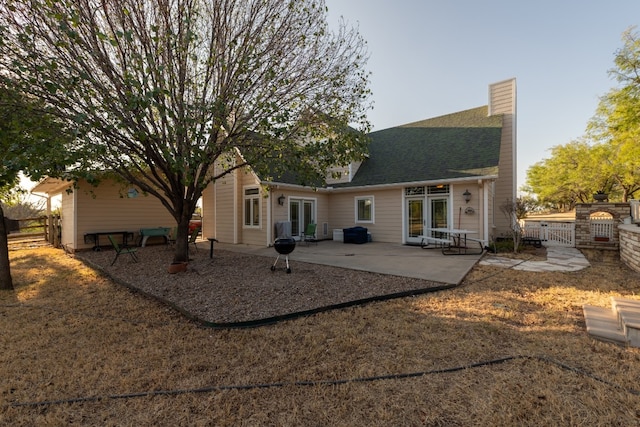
(310, 234)
(122, 250)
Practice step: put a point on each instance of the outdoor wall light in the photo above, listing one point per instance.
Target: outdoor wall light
(467, 196)
(281, 200)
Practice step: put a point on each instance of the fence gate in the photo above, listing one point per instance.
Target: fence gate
(551, 233)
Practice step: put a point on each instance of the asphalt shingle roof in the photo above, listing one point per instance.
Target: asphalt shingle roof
(458, 145)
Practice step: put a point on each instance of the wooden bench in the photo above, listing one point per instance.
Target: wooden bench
(145, 233)
(438, 243)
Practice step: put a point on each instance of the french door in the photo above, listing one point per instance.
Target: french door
(302, 212)
(425, 212)
(416, 219)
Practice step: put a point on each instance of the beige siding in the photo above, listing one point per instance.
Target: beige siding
(225, 208)
(252, 235)
(209, 211)
(104, 208)
(469, 216)
(387, 224)
(346, 173)
(323, 207)
(281, 213)
(67, 210)
(502, 100)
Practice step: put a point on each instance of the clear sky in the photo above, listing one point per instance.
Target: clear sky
(435, 57)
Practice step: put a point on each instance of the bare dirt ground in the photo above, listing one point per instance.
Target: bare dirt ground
(505, 348)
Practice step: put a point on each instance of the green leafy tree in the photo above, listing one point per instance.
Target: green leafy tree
(31, 141)
(16, 204)
(607, 159)
(162, 91)
(572, 174)
(617, 120)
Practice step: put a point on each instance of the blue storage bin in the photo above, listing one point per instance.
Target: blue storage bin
(357, 235)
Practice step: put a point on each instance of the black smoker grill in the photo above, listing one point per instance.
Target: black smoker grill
(284, 246)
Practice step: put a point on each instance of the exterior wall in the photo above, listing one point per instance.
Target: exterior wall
(104, 208)
(281, 213)
(387, 214)
(630, 246)
(469, 216)
(583, 232)
(251, 235)
(68, 212)
(346, 173)
(223, 207)
(502, 100)
(209, 211)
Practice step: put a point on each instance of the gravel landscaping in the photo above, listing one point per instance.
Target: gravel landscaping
(235, 289)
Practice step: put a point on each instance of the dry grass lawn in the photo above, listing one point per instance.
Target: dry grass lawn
(78, 349)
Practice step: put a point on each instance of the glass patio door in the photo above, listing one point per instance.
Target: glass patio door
(301, 214)
(415, 220)
(438, 214)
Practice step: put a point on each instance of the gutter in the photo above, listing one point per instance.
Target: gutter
(345, 189)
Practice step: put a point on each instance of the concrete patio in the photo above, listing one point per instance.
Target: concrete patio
(375, 257)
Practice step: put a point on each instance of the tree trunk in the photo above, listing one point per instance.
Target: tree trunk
(181, 253)
(6, 284)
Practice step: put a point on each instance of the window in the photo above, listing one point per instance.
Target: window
(364, 209)
(252, 207)
(414, 191)
(438, 189)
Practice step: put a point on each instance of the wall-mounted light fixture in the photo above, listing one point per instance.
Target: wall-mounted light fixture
(467, 196)
(281, 200)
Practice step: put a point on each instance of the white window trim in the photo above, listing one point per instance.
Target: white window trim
(373, 204)
(246, 197)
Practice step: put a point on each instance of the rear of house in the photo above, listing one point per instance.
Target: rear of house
(452, 171)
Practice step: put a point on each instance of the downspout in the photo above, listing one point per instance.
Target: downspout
(269, 216)
(235, 207)
(485, 212)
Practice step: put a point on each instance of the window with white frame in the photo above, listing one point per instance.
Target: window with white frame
(252, 207)
(364, 209)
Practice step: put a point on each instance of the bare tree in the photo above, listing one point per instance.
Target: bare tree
(514, 210)
(160, 91)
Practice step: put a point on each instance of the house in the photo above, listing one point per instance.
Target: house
(110, 207)
(451, 171)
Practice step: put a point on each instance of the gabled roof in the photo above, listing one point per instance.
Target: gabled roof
(459, 145)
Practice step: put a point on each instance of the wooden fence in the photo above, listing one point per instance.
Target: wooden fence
(47, 228)
(551, 233)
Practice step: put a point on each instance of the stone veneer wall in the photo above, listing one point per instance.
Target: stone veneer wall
(630, 245)
(584, 240)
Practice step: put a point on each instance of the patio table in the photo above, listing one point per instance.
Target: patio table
(94, 237)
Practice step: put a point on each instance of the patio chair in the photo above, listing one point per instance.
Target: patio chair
(310, 234)
(194, 236)
(123, 250)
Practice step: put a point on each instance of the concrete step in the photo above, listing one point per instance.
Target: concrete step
(627, 303)
(602, 324)
(630, 319)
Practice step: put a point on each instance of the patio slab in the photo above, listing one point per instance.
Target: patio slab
(375, 257)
